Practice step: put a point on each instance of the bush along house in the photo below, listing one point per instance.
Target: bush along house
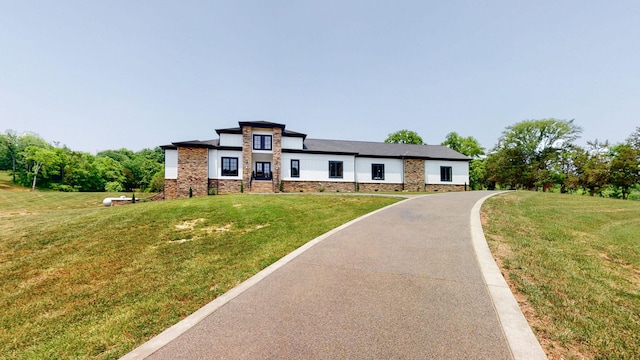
(264, 157)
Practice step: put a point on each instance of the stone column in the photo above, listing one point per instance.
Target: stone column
(193, 171)
(247, 159)
(277, 159)
(414, 175)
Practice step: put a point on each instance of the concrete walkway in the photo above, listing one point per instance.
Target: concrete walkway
(401, 283)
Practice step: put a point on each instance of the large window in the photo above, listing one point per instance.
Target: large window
(295, 168)
(335, 169)
(377, 171)
(446, 173)
(229, 166)
(261, 142)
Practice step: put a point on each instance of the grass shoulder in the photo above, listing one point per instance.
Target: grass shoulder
(574, 264)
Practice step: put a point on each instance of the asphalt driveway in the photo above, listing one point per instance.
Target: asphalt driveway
(401, 283)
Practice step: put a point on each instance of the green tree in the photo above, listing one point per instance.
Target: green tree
(41, 162)
(9, 147)
(404, 137)
(634, 139)
(527, 152)
(139, 168)
(468, 146)
(24, 165)
(625, 168)
(593, 167)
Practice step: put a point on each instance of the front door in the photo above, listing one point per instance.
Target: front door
(263, 171)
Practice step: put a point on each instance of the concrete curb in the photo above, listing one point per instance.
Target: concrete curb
(190, 321)
(520, 337)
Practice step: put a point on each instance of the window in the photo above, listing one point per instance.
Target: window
(445, 173)
(261, 142)
(335, 169)
(229, 166)
(377, 171)
(263, 171)
(295, 168)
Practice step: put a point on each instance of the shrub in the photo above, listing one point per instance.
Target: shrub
(63, 188)
(113, 186)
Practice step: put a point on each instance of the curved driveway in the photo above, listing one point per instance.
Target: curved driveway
(401, 283)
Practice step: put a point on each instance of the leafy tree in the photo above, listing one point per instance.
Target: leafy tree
(527, 152)
(634, 139)
(625, 168)
(9, 147)
(41, 162)
(404, 137)
(157, 182)
(138, 168)
(468, 146)
(593, 167)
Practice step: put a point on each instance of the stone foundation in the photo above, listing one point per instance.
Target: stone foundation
(444, 188)
(229, 186)
(118, 202)
(317, 186)
(374, 187)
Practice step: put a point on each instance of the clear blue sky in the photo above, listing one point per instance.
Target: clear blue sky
(98, 75)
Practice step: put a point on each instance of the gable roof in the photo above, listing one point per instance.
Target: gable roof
(381, 149)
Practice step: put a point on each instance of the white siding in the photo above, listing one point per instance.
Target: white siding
(393, 170)
(459, 169)
(213, 163)
(171, 164)
(229, 153)
(231, 140)
(294, 143)
(315, 167)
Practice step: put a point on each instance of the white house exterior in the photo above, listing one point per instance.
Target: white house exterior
(265, 157)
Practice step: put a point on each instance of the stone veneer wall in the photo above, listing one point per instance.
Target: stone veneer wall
(444, 187)
(247, 152)
(277, 159)
(193, 171)
(414, 175)
(227, 186)
(315, 186)
(170, 189)
(373, 187)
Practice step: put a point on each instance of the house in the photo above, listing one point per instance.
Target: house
(265, 157)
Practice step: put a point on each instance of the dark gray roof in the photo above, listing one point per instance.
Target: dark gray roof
(380, 149)
(358, 148)
(238, 130)
(197, 143)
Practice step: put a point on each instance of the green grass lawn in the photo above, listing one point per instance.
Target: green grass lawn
(575, 262)
(78, 280)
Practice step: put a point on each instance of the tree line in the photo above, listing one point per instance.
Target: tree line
(532, 154)
(36, 163)
(543, 155)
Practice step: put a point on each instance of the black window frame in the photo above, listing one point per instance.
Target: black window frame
(336, 169)
(374, 171)
(446, 173)
(296, 167)
(229, 171)
(262, 143)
